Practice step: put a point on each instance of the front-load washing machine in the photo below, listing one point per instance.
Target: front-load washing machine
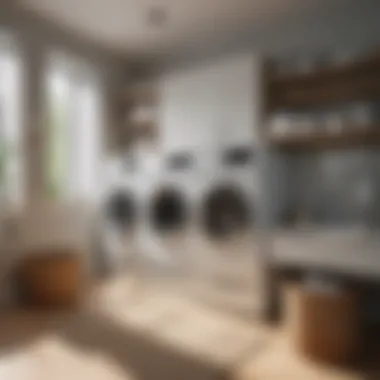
(227, 248)
(169, 219)
(118, 216)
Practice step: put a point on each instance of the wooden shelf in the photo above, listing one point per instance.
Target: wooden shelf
(143, 131)
(348, 82)
(366, 66)
(336, 92)
(139, 96)
(355, 137)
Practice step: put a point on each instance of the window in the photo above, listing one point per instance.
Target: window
(11, 153)
(74, 130)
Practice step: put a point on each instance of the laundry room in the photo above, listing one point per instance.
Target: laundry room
(190, 189)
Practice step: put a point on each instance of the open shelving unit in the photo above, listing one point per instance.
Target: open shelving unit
(358, 80)
(332, 89)
(354, 137)
(133, 98)
(338, 84)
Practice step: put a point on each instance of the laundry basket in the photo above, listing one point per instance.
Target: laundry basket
(323, 325)
(51, 278)
(55, 254)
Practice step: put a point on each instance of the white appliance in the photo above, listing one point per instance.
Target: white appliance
(118, 215)
(170, 218)
(227, 270)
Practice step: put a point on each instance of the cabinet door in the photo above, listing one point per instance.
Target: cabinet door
(236, 101)
(187, 111)
(210, 106)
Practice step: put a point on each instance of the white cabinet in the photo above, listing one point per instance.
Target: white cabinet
(208, 107)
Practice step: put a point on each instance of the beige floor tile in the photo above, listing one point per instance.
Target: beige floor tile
(279, 361)
(156, 332)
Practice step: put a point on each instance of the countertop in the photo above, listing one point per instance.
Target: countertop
(351, 251)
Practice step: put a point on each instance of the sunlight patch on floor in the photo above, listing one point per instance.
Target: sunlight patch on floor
(182, 323)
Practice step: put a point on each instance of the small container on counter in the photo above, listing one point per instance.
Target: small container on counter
(360, 115)
(281, 124)
(304, 123)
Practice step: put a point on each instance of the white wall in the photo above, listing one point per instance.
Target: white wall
(210, 107)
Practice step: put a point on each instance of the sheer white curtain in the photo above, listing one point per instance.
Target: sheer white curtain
(75, 130)
(11, 111)
(86, 142)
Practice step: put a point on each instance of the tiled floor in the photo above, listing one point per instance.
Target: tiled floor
(126, 331)
(130, 331)
(226, 272)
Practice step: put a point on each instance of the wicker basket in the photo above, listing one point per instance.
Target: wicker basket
(51, 278)
(323, 326)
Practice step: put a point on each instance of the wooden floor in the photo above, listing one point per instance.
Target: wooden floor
(130, 330)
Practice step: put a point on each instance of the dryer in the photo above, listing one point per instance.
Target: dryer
(118, 216)
(169, 216)
(227, 250)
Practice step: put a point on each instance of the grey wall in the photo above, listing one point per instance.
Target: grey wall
(329, 188)
(340, 187)
(35, 38)
(278, 177)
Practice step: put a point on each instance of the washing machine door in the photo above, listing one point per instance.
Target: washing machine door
(168, 210)
(115, 235)
(163, 240)
(226, 212)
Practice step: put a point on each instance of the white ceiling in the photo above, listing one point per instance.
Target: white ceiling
(122, 24)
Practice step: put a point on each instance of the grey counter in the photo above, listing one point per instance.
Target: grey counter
(353, 251)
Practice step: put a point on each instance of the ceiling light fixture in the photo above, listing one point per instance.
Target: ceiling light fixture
(157, 16)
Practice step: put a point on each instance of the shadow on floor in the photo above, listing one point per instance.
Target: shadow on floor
(20, 328)
(141, 356)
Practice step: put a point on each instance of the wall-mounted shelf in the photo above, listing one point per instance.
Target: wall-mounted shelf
(355, 137)
(339, 83)
(143, 130)
(137, 105)
(139, 94)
